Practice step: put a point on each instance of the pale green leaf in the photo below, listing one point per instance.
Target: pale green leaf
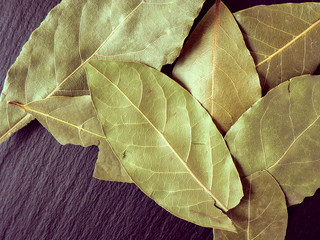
(284, 39)
(73, 120)
(280, 134)
(216, 67)
(166, 141)
(261, 214)
(108, 166)
(52, 61)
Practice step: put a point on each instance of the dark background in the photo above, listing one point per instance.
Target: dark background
(47, 190)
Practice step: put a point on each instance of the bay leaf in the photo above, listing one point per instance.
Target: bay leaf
(166, 141)
(108, 166)
(284, 39)
(217, 68)
(52, 61)
(261, 214)
(73, 120)
(280, 134)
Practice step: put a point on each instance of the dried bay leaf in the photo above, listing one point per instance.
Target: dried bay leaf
(216, 67)
(280, 134)
(52, 61)
(108, 166)
(261, 214)
(166, 141)
(73, 120)
(284, 39)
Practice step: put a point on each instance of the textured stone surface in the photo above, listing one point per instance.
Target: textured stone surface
(47, 190)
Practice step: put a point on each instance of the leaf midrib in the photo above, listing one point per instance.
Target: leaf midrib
(64, 122)
(223, 207)
(28, 109)
(289, 43)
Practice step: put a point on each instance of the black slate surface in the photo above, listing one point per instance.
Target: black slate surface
(47, 190)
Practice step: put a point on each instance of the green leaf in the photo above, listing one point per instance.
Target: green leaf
(166, 141)
(283, 39)
(261, 214)
(280, 134)
(216, 67)
(73, 120)
(108, 166)
(52, 61)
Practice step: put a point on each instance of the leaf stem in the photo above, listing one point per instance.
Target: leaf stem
(17, 105)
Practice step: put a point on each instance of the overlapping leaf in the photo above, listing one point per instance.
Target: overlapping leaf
(280, 134)
(284, 39)
(166, 141)
(108, 166)
(73, 120)
(216, 67)
(261, 214)
(52, 61)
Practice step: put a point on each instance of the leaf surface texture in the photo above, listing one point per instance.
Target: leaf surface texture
(166, 141)
(217, 68)
(261, 214)
(73, 120)
(284, 39)
(280, 134)
(52, 61)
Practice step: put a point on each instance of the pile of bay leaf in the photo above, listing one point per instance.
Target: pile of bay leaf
(228, 142)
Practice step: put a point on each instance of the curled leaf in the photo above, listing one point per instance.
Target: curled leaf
(280, 134)
(73, 120)
(283, 39)
(216, 67)
(52, 61)
(261, 214)
(166, 141)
